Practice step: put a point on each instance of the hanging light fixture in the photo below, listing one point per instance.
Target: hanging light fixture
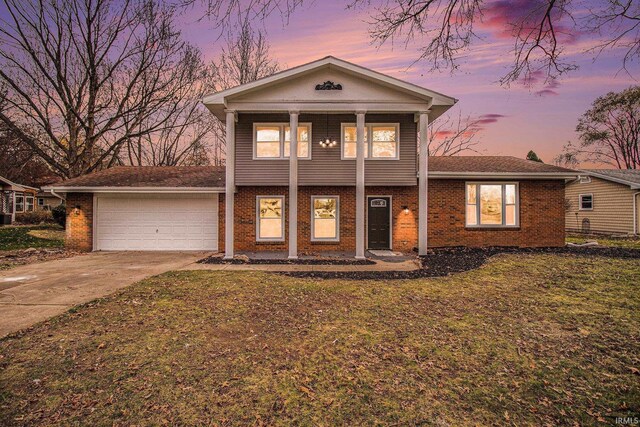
(328, 142)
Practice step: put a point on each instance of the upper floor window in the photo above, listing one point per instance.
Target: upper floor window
(273, 140)
(492, 204)
(382, 145)
(586, 202)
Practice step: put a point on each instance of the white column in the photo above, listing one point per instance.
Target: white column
(423, 167)
(293, 185)
(230, 183)
(360, 199)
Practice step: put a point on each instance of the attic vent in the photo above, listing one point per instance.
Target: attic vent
(586, 225)
(329, 85)
(585, 179)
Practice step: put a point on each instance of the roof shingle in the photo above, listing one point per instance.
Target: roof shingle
(630, 175)
(491, 164)
(151, 176)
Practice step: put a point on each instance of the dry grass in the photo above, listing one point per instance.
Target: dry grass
(630, 242)
(526, 340)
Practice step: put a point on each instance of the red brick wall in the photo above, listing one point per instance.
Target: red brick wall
(405, 225)
(541, 217)
(79, 229)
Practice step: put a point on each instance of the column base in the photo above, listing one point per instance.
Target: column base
(292, 257)
(361, 257)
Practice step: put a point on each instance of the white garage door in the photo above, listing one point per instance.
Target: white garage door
(156, 222)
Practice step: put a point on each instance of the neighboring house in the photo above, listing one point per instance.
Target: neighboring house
(46, 201)
(15, 198)
(604, 201)
(361, 178)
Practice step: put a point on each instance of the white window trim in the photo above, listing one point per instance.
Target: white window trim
(21, 196)
(40, 201)
(26, 198)
(279, 239)
(313, 219)
(584, 179)
(369, 149)
(281, 125)
(580, 196)
(504, 216)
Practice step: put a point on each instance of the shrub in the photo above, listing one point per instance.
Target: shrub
(60, 214)
(35, 217)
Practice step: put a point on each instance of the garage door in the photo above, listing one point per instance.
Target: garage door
(156, 222)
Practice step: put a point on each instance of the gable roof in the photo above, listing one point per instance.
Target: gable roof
(630, 177)
(13, 186)
(493, 167)
(148, 179)
(217, 101)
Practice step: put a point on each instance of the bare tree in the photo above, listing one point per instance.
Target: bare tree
(609, 132)
(84, 78)
(444, 30)
(450, 136)
(245, 58)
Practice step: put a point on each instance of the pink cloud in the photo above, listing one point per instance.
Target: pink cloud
(486, 119)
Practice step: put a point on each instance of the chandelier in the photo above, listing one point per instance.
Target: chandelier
(328, 142)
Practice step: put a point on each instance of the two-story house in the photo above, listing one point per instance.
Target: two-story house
(360, 179)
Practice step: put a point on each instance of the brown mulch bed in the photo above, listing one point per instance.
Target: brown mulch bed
(445, 261)
(285, 261)
(10, 259)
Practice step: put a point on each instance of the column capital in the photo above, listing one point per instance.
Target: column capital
(230, 112)
(296, 112)
(361, 112)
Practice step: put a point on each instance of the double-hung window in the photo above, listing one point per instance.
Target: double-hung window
(270, 218)
(19, 203)
(586, 202)
(273, 140)
(382, 145)
(29, 204)
(492, 204)
(325, 218)
(40, 201)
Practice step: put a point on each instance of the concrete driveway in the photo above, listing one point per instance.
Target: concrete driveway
(36, 292)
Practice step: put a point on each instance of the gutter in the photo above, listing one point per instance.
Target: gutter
(57, 195)
(501, 175)
(204, 190)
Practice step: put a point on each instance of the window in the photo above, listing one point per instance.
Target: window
(29, 203)
(19, 203)
(492, 205)
(383, 144)
(586, 202)
(270, 221)
(325, 218)
(40, 201)
(273, 140)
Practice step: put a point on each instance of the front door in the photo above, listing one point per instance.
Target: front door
(379, 219)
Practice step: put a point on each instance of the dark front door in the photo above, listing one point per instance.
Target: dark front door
(378, 222)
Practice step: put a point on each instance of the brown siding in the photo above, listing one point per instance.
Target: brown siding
(325, 167)
(612, 207)
(79, 227)
(541, 217)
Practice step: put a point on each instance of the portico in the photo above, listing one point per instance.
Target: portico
(286, 114)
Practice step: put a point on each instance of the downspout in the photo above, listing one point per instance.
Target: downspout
(635, 213)
(64, 199)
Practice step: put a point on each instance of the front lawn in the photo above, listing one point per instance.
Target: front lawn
(630, 242)
(534, 339)
(34, 236)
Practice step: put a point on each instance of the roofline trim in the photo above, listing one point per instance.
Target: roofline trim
(11, 183)
(503, 175)
(98, 189)
(219, 97)
(631, 184)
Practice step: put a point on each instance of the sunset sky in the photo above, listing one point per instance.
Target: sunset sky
(515, 119)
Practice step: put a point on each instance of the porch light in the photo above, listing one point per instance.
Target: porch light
(76, 209)
(405, 209)
(328, 142)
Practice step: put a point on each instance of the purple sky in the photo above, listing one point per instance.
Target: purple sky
(515, 120)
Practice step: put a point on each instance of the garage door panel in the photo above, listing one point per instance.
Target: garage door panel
(166, 222)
